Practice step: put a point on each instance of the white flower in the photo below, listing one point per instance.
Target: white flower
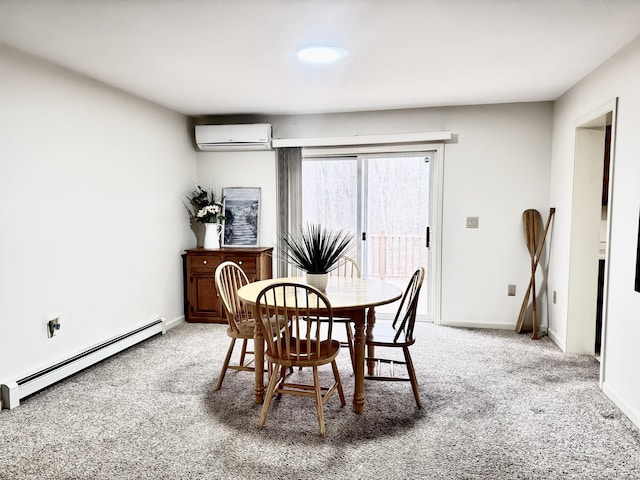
(208, 210)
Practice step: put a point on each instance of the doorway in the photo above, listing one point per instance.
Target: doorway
(590, 219)
(387, 201)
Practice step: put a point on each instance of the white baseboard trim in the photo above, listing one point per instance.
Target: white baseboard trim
(553, 335)
(15, 390)
(494, 326)
(633, 415)
(169, 324)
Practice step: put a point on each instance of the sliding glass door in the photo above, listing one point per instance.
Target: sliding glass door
(383, 200)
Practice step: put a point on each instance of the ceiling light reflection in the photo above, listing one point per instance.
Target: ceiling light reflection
(322, 54)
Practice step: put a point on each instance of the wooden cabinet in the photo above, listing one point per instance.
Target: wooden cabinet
(201, 300)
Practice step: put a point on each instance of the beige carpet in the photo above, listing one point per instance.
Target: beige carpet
(496, 406)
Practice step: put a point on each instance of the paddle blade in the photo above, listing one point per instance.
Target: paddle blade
(532, 221)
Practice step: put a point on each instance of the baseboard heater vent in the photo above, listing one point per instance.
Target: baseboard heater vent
(13, 392)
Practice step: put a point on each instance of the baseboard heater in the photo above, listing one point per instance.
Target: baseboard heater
(13, 392)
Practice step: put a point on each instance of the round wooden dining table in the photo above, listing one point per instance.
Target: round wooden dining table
(349, 297)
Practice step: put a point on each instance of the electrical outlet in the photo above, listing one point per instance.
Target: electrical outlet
(472, 222)
(53, 325)
(511, 290)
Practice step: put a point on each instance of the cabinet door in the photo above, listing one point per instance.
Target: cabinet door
(204, 301)
(204, 305)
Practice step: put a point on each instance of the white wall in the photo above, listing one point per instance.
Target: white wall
(619, 77)
(220, 170)
(497, 167)
(91, 212)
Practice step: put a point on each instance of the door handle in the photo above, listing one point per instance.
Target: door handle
(428, 237)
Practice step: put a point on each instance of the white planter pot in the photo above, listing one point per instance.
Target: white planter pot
(318, 280)
(212, 235)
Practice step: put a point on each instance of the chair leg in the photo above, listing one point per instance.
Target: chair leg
(283, 374)
(243, 352)
(275, 378)
(412, 375)
(336, 376)
(226, 363)
(319, 409)
(351, 341)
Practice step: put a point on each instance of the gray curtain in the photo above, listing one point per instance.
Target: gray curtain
(289, 165)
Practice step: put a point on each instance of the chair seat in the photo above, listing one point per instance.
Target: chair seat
(342, 320)
(383, 336)
(247, 328)
(328, 352)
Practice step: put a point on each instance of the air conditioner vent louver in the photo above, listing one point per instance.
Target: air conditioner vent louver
(255, 136)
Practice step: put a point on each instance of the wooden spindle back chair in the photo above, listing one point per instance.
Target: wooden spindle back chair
(399, 334)
(303, 344)
(347, 267)
(229, 277)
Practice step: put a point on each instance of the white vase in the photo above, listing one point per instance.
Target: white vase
(318, 280)
(212, 233)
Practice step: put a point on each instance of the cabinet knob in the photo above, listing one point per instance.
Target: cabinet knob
(240, 262)
(205, 262)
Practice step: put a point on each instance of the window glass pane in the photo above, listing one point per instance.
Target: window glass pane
(398, 195)
(330, 192)
(397, 216)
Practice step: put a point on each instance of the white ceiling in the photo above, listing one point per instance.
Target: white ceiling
(217, 57)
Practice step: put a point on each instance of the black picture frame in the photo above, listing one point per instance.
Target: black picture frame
(637, 282)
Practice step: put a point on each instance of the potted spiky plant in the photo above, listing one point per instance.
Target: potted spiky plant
(316, 250)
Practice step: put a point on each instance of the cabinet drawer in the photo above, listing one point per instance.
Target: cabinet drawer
(201, 262)
(248, 264)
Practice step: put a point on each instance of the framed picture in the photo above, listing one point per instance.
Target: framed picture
(637, 282)
(242, 217)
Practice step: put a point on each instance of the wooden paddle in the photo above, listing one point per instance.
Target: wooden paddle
(538, 253)
(532, 221)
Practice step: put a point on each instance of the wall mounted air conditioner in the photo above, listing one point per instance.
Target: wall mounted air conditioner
(254, 136)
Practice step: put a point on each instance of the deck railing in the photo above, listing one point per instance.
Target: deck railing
(395, 255)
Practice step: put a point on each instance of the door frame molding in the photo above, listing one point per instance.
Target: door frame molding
(436, 192)
(580, 254)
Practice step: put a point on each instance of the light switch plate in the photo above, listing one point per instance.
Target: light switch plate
(472, 222)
